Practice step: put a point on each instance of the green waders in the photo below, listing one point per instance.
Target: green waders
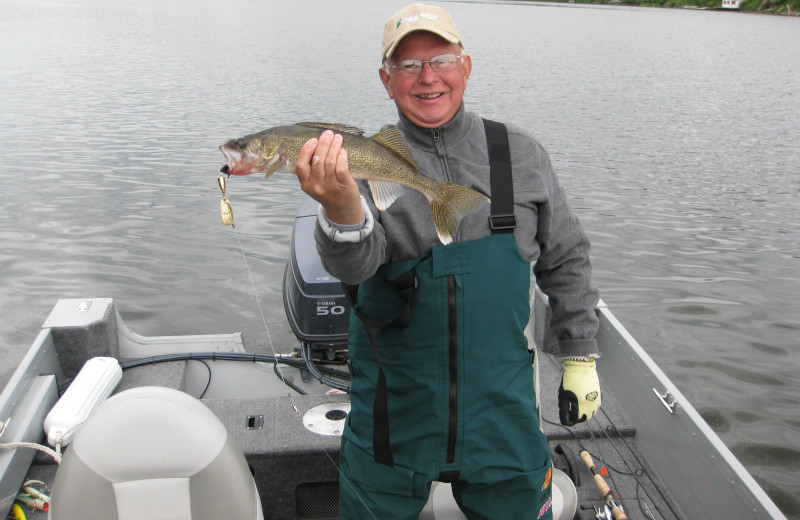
(459, 389)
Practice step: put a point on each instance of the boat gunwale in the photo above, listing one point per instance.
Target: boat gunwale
(633, 377)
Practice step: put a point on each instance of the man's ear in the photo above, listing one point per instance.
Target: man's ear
(387, 81)
(467, 67)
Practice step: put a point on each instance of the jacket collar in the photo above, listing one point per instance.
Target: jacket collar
(423, 138)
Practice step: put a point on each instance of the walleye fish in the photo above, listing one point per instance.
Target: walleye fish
(384, 160)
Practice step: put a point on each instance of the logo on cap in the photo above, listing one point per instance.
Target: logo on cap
(416, 17)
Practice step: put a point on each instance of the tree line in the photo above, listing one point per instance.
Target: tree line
(791, 7)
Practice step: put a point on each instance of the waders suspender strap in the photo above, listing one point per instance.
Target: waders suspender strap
(405, 284)
(501, 219)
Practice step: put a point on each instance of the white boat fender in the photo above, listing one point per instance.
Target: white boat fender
(94, 383)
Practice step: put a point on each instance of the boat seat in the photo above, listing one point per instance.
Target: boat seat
(154, 453)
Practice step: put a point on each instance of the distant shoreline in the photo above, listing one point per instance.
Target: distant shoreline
(770, 7)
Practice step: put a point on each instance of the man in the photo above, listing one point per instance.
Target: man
(442, 383)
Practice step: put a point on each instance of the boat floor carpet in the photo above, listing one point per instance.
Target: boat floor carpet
(288, 460)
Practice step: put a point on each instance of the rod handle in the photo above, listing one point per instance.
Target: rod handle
(602, 486)
(618, 513)
(587, 459)
(600, 482)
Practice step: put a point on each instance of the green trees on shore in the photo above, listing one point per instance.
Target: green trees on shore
(766, 6)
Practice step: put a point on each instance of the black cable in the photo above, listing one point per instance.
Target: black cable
(215, 356)
(224, 356)
(314, 372)
(254, 358)
(333, 372)
(286, 381)
(212, 356)
(209, 378)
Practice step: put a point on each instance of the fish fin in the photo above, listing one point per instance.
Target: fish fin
(385, 193)
(394, 140)
(450, 205)
(275, 163)
(336, 127)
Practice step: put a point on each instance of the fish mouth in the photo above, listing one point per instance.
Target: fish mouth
(237, 165)
(232, 156)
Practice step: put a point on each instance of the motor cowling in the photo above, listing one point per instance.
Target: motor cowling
(315, 303)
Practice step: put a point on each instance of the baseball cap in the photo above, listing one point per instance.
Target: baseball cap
(418, 17)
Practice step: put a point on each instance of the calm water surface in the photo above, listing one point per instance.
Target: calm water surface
(676, 133)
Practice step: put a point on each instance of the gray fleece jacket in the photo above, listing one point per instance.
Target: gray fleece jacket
(549, 235)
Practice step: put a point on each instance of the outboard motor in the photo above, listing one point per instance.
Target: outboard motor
(315, 303)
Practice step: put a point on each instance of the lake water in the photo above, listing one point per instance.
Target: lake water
(675, 132)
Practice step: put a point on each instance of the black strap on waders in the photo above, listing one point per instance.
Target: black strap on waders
(501, 219)
(405, 285)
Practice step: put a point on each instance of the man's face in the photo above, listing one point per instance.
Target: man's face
(430, 99)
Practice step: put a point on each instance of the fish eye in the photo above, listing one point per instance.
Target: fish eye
(241, 142)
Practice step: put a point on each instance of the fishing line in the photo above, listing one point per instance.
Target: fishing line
(635, 473)
(599, 456)
(264, 321)
(639, 482)
(347, 481)
(280, 374)
(610, 476)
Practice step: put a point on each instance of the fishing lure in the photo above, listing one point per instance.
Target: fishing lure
(19, 514)
(225, 209)
(31, 497)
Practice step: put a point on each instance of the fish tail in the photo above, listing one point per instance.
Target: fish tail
(450, 205)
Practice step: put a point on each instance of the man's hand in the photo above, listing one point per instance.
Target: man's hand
(579, 394)
(324, 174)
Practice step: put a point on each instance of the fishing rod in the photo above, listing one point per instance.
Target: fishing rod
(634, 472)
(600, 482)
(631, 472)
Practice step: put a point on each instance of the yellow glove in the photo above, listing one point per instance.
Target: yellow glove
(579, 393)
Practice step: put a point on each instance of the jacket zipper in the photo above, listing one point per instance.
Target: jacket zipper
(439, 145)
(437, 137)
(452, 434)
(453, 369)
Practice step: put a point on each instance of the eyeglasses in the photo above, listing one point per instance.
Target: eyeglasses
(440, 63)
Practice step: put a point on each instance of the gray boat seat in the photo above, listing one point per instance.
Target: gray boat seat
(158, 454)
